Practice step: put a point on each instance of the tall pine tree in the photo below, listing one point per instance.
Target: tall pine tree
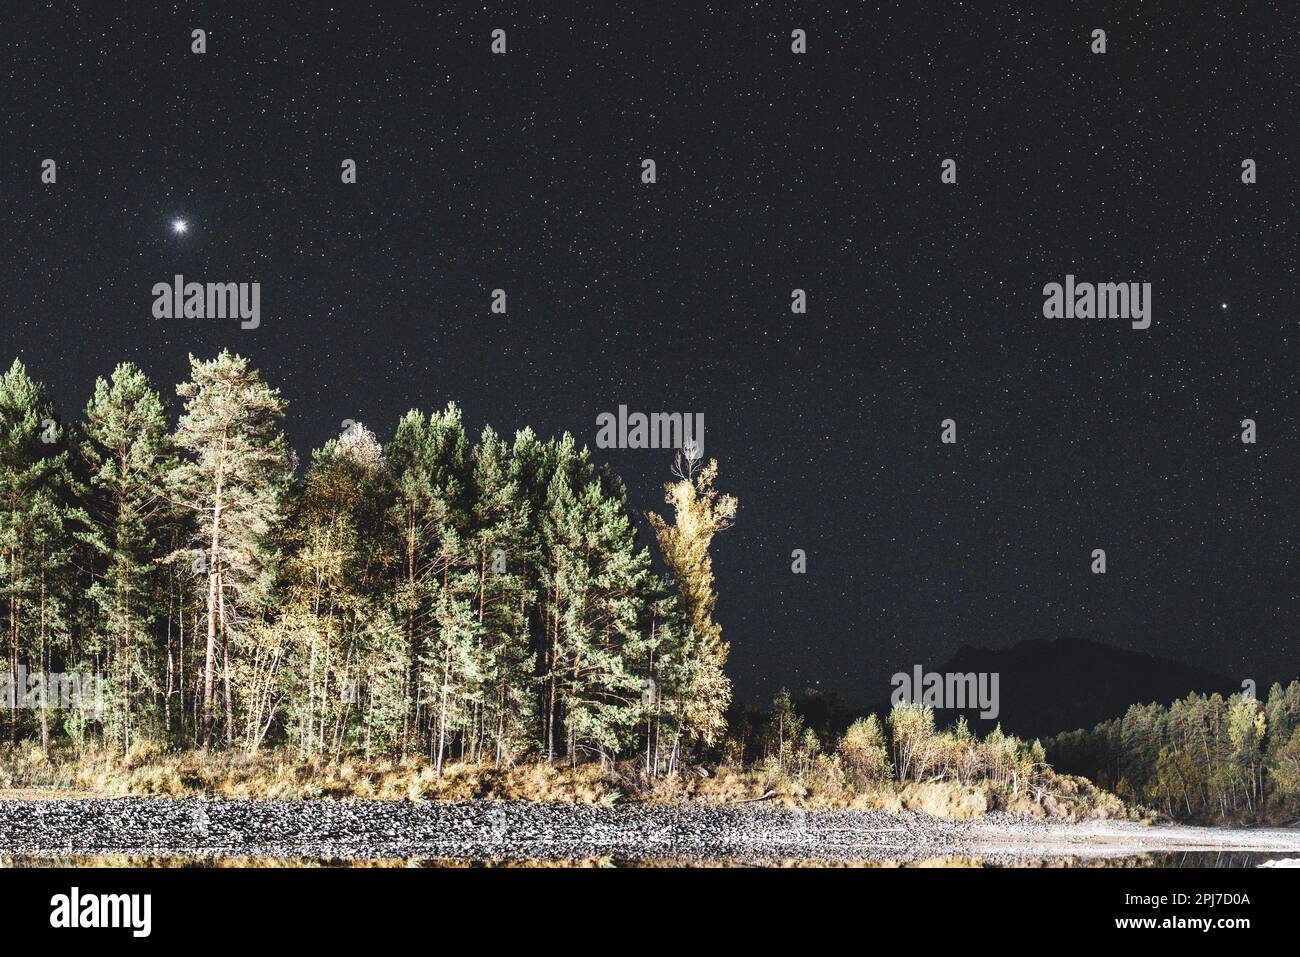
(231, 482)
(127, 453)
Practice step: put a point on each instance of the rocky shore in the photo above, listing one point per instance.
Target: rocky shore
(505, 831)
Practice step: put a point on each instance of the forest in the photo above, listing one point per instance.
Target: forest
(479, 600)
(1202, 758)
(470, 602)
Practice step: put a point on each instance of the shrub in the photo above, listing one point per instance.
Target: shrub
(863, 754)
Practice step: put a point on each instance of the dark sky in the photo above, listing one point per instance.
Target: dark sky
(776, 171)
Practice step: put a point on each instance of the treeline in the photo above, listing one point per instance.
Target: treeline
(1202, 758)
(481, 600)
(802, 740)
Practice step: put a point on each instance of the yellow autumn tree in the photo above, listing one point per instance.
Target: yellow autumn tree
(699, 513)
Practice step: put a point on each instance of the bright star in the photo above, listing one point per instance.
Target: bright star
(1223, 305)
(179, 225)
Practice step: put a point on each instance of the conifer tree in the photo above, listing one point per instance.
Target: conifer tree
(56, 522)
(126, 451)
(482, 601)
(231, 482)
(500, 521)
(35, 503)
(603, 586)
(429, 459)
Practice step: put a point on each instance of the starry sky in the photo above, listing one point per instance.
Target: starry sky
(776, 171)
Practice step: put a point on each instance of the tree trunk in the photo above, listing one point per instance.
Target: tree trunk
(45, 666)
(210, 658)
(225, 661)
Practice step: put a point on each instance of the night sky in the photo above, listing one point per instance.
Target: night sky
(776, 171)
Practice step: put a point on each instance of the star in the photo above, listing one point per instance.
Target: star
(179, 225)
(1223, 305)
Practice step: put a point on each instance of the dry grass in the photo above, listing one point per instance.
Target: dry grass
(1056, 796)
(26, 772)
(150, 772)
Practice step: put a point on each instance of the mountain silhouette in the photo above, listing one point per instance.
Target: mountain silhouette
(1047, 687)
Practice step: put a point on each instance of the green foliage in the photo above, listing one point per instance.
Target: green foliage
(472, 602)
(127, 456)
(1202, 758)
(39, 519)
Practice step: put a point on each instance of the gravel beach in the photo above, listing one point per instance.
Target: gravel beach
(508, 831)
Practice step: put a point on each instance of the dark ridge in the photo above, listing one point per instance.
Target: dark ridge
(1046, 687)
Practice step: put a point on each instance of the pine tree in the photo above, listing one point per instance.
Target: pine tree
(36, 501)
(231, 482)
(603, 587)
(555, 473)
(485, 601)
(429, 460)
(55, 522)
(500, 522)
(126, 451)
